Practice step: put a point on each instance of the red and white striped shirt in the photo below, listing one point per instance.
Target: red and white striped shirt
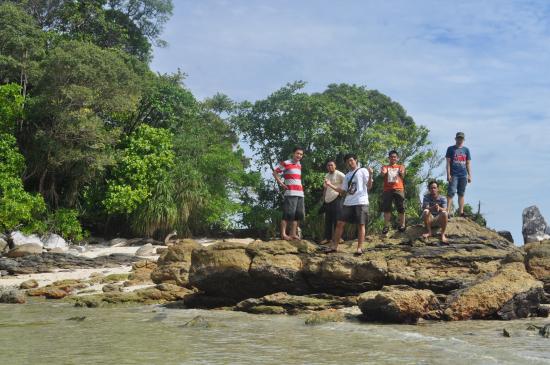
(292, 173)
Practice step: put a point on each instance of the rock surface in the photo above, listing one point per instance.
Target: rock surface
(283, 303)
(240, 271)
(18, 238)
(25, 250)
(398, 303)
(485, 298)
(54, 241)
(538, 261)
(534, 226)
(12, 296)
(174, 263)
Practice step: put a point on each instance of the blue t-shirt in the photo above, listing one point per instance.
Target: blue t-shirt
(429, 202)
(458, 156)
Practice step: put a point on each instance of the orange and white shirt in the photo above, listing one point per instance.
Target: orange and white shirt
(392, 180)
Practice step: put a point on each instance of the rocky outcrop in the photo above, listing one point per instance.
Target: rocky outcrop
(239, 271)
(283, 303)
(48, 262)
(399, 303)
(485, 298)
(25, 250)
(174, 263)
(537, 261)
(534, 227)
(12, 296)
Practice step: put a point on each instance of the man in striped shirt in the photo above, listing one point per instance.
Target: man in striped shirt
(293, 204)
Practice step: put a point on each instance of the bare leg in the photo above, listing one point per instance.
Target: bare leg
(360, 237)
(387, 219)
(427, 216)
(294, 230)
(460, 204)
(401, 219)
(338, 234)
(284, 236)
(450, 205)
(443, 219)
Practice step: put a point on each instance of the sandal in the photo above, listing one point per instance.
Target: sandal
(358, 253)
(402, 229)
(385, 230)
(330, 250)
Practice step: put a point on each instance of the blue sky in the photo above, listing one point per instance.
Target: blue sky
(476, 66)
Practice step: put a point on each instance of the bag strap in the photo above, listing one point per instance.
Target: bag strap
(352, 176)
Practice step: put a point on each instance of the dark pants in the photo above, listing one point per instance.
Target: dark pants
(332, 214)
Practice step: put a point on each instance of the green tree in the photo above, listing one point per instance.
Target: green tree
(73, 122)
(130, 25)
(18, 208)
(343, 118)
(22, 46)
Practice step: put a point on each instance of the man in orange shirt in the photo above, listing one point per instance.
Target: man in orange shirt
(394, 191)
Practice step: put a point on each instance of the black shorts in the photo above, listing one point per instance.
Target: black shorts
(395, 196)
(355, 214)
(293, 208)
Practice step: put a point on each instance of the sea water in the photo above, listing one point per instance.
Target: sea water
(50, 332)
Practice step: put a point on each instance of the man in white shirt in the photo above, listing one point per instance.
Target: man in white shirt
(356, 184)
(332, 200)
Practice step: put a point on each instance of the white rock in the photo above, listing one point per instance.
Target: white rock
(19, 239)
(118, 242)
(55, 241)
(146, 250)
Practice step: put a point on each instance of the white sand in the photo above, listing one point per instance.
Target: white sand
(79, 274)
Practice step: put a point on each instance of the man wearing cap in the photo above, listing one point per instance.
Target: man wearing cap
(458, 172)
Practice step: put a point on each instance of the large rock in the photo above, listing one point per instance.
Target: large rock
(3, 245)
(399, 304)
(538, 261)
(18, 238)
(54, 241)
(12, 296)
(534, 226)
(146, 250)
(485, 298)
(174, 263)
(283, 303)
(25, 250)
(240, 271)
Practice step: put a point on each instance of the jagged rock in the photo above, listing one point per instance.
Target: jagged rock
(110, 288)
(141, 272)
(507, 235)
(153, 295)
(325, 316)
(146, 250)
(398, 303)
(485, 298)
(282, 302)
(534, 226)
(8, 265)
(55, 241)
(25, 250)
(538, 261)
(12, 297)
(197, 322)
(523, 305)
(118, 242)
(19, 239)
(29, 284)
(174, 263)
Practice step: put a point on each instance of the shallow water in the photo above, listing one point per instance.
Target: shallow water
(41, 333)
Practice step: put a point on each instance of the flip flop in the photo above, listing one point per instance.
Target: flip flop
(358, 253)
(330, 250)
(402, 229)
(385, 230)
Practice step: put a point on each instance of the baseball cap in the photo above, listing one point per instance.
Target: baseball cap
(459, 135)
